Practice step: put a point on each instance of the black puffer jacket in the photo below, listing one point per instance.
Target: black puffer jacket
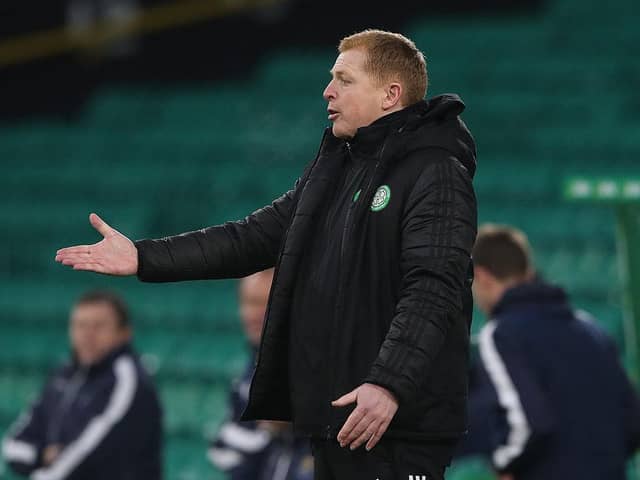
(403, 308)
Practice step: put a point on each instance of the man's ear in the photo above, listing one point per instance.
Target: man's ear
(393, 93)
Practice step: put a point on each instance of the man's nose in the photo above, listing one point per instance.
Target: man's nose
(329, 92)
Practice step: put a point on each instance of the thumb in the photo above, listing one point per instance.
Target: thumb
(100, 225)
(346, 399)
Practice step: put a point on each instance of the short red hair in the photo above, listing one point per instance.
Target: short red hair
(392, 57)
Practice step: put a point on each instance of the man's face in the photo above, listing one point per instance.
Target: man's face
(95, 331)
(480, 296)
(487, 289)
(354, 98)
(254, 297)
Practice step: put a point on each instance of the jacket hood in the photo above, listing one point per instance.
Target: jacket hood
(433, 123)
(536, 294)
(436, 123)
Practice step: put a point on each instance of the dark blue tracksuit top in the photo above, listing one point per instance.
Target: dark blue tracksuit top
(246, 451)
(549, 398)
(106, 420)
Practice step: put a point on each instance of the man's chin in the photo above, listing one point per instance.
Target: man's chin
(87, 360)
(341, 133)
(91, 358)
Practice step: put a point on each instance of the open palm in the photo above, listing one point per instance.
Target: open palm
(115, 254)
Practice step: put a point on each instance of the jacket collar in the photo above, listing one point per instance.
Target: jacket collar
(105, 362)
(535, 294)
(368, 139)
(442, 112)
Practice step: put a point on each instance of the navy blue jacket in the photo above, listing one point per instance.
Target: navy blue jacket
(550, 393)
(106, 418)
(247, 452)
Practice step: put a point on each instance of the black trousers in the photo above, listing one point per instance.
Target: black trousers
(390, 459)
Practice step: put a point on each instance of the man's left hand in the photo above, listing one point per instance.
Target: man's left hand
(375, 409)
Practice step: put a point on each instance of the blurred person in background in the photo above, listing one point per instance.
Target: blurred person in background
(550, 395)
(98, 417)
(367, 330)
(257, 450)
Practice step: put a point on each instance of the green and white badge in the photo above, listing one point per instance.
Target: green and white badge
(381, 198)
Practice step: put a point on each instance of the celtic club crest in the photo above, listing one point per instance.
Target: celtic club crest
(381, 198)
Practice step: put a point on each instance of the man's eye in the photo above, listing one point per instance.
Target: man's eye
(344, 81)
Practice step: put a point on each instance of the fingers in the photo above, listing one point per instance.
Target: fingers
(100, 225)
(73, 250)
(366, 435)
(70, 259)
(353, 427)
(358, 431)
(370, 419)
(79, 261)
(346, 399)
(91, 267)
(375, 438)
(368, 430)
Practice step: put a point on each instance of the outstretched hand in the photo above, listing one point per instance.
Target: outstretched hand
(375, 409)
(115, 254)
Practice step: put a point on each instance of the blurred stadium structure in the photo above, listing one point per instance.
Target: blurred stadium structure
(174, 124)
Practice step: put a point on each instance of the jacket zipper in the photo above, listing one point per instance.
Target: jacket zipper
(346, 220)
(333, 329)
(277, 270)
(338, 308)
(75, 384)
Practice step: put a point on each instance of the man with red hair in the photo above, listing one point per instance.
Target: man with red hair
(367, 330)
